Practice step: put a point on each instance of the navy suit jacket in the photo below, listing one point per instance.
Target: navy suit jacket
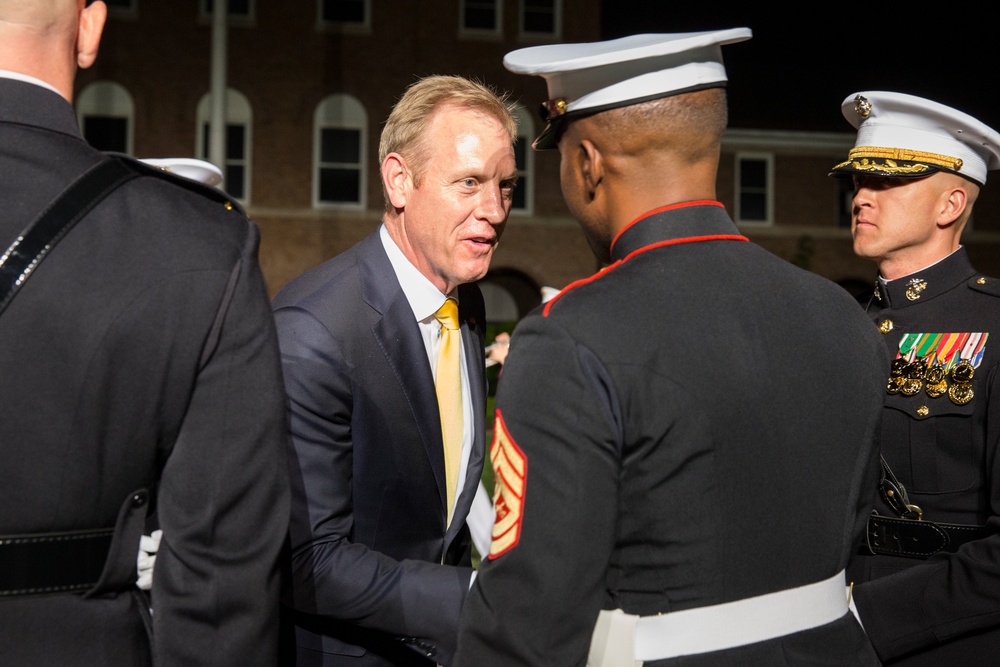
(375, 572)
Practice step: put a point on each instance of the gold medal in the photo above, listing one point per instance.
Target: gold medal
(892, 386)
(961, 393)
(963, 372)
(936, 389)
(911, 386)
(936, 384)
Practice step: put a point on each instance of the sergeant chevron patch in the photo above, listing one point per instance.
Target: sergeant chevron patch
(510, 469)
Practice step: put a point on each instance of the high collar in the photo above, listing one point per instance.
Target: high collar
(922, 286)
(29, 104)
(687, 220)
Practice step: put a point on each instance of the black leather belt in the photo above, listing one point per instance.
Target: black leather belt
(52, 562)
(913, 538)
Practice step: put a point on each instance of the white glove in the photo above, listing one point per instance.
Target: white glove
(148, 546)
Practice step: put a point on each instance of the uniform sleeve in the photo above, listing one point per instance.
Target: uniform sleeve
(223, 496)
(948, 595)
(556, 442)
(331, 575)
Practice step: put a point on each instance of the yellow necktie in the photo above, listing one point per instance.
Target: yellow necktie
(448, 382)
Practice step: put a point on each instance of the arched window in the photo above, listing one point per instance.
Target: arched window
(524, 193)
(106, 115)
(340, 147)
(239, 124)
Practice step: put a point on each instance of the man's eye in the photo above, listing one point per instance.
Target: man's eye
(508, 185)
(469, 182)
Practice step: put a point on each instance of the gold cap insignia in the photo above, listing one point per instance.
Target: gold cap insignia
(553, 108)
(862, 106)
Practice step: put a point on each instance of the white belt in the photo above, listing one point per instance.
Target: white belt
(624, 640)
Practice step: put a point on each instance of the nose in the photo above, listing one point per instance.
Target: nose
(864, 194)
(493, 206)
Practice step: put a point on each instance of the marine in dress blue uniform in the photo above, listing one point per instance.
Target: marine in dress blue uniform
(927, 582)
(683, 440)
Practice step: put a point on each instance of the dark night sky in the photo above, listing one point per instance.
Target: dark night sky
(802, 62)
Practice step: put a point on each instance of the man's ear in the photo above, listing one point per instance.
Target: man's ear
(396, 178)
(953, 203)
(591, 166)
(89, 31)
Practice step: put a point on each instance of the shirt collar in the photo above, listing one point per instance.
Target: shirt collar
(17, 76)
(424, 298)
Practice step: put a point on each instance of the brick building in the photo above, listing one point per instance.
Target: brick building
(309, 83)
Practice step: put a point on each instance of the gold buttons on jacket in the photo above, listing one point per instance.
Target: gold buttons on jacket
(885, 326)
(981, 281)
(923, 411)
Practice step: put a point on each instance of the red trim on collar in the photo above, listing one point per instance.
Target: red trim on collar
(652, 246)
(668, 207)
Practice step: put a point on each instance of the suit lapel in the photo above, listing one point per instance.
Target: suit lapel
(399, 338)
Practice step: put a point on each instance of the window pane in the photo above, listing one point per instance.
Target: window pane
(481, 15)
(236, 7)
(339, 185)
(753, 206)
(234, 180)
(753, 174)
(344, 11)
(106, 133)
(518, 200)
(340, 145)
(539, 16)
(520, 149)
(235, 140)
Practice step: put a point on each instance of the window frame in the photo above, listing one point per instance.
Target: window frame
(238, 112)
(108, 99)
(557, 22)
(495, 32)
(768, 189)
(350, 115)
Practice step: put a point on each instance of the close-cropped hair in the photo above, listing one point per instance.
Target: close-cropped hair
(411, 116)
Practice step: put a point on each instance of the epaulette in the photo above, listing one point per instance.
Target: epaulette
(985, 284)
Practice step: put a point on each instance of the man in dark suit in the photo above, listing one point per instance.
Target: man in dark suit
(927, 580)
(139, 372)
(683, 440)
(380, 546)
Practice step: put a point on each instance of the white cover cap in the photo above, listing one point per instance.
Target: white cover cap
(905, 136)
(196, 170)
(596, 76)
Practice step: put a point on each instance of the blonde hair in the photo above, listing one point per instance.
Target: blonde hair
(410, 118)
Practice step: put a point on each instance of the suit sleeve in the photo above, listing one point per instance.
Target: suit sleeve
(536, 598)
(948, 595)
(332, 576)
(223, 496)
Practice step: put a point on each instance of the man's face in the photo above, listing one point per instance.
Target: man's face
(456, 214)
(893, 217)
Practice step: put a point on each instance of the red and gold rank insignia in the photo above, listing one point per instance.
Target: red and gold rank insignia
(510, 470)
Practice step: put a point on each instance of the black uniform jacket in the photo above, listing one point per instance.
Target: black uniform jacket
(693, 425)
(944, 610)
(141, 354)
(378, 577)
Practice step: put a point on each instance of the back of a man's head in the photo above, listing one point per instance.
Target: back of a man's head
(37, 16)
(689, 126)
(50, 39)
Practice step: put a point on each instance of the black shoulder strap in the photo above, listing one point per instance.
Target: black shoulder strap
(52, 224)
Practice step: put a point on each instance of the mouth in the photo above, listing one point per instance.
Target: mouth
(482, 242)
